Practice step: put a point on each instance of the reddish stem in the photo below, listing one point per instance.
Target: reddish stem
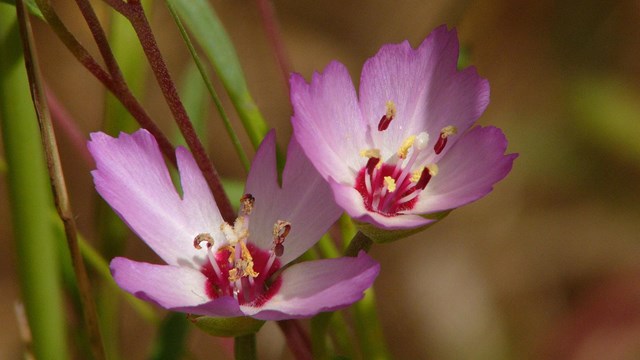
(119, 89)
(135, 14)
(270, 23)
(297, 339)
(65, 122)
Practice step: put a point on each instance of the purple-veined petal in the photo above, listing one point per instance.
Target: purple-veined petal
(171, 287)
(305, 200)
(468, 171)
(322, 285)
(428, 91)
(328, 122)
(132, 177)
(351, 201)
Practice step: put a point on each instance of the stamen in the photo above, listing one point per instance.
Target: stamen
(427, 173)
(390, 183)
(281, 230)
(200, 238)
(388, 116)
(442, 139)
(370, 153)
(406, 145)
(246, 204)
(371, 164)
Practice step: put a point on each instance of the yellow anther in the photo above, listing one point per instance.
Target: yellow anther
(391, 110)
(448, 131)
(433, 169)
(415, 176)
(390, 183)
(233, 275)
(406, 145)
(370, 153)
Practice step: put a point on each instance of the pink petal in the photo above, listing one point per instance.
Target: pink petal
(468, 171)
(351, 201)
(322, 285)
(328, 122)
(428, 91)
(171, 287)
(133, 178)
(305, 200)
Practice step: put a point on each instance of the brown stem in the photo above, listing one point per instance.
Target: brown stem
(297, 339)
(135, 14)
(101, 39)
(270, 23)
(56, 175)
(119, 89)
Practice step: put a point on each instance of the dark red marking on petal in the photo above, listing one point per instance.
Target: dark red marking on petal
(378, 183)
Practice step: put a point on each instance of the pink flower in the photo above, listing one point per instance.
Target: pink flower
(402, 153)
(219, 269)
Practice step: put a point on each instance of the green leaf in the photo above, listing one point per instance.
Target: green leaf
(170, 341)
(31, 6)
(201, 19)
(227, 327)
(30, 199)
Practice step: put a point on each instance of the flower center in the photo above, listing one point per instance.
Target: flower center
(239, 268)
(392, 186)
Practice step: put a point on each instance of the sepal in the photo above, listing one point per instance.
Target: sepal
(381, 236)
(227, 327)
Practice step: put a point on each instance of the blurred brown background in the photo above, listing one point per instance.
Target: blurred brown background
(545, 267)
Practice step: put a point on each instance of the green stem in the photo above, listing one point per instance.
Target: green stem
(319, 326)
(30, 200)
(214, 95)
(245, 347)
(368, 329)
(58, 185)
(359, 242)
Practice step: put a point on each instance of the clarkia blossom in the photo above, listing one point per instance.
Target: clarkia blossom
(402, 152)
(218, 269)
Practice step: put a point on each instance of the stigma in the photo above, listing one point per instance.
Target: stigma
(235, 266)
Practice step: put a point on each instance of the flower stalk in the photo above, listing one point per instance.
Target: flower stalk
(56, 176)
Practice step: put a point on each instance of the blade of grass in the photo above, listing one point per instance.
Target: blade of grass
(214, 95)
(58, 185)
(209, 33)
(30, 199)
(169, 343)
